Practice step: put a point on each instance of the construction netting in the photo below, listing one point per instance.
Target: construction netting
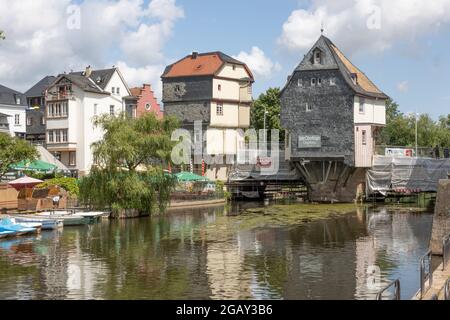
(406, 174)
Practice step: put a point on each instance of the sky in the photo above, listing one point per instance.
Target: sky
(402, 45)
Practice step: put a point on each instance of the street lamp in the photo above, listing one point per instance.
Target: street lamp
(265, 114)
(417, 155)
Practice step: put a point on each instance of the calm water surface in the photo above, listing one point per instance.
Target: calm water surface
(221, 253)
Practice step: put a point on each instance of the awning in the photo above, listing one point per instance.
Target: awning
(190, 177)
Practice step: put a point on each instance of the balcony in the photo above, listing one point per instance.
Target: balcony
(59, 96)
(61, 146)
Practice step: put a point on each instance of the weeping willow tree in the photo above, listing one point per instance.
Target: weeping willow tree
(128, 175)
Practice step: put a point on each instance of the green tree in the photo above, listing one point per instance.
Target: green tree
(128, 173)
(2, 35)
(13, 150)
(270, 102)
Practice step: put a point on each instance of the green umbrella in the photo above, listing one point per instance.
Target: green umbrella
(190, 177)
(37, 165)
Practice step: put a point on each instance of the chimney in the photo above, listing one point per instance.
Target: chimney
(88, 72)
(194, 55)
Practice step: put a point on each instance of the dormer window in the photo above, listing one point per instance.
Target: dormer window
(313, 82)
(17, 100)
(317, 58)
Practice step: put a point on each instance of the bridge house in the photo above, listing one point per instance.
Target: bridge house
(332, 112)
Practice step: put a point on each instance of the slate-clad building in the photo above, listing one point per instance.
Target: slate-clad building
(35, 114)
(216, 89)
(331, 109)
(12, 112)
(332, 113)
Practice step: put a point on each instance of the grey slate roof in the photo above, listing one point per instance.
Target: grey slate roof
(100, 77)
(39, 88)
(337, 60)
(96, 83)
(8, 96)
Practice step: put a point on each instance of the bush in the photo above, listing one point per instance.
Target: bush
(68, 184)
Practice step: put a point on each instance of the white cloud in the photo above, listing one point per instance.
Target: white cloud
(403, 86)
(258, 62)
(372, 25)
(38, 41)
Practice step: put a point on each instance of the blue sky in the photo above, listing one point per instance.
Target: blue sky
(401, 45)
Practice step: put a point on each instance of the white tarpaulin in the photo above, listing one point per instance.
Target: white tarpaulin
(405, 173)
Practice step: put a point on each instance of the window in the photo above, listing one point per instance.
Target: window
(177, 88)
(17, 100)
(72, 158)
(219, 87)
(364, 137)
(219, 109)
(148, 107)
(64, 135)
(319, 81)
(43, 120)
(249, 89)
(313, 81)
(234, 67)
(17, 119)
(118, 90)
(50, 136)
(57, 136)
(111, 110)
(361, 105)
(29, 121)
(113, 90)
(332, 81)
(300, 82)
(64, 109)
(308, 107)
(317, 57)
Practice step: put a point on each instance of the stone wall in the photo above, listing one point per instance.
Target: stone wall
(441, 220)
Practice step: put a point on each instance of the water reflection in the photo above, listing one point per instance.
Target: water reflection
(220, 254)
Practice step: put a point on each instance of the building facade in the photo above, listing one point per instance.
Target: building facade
(216, 89)
(35, 114)
(331, 109)
(142, 101)
(332, 112)
(72, 101)
(13, 109)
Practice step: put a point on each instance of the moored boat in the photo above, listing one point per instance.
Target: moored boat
(47, 224)
(6, 234)
(17, 228)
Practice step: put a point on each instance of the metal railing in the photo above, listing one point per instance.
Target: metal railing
(396, 285)
(445, 251)
(426, 273)
(447, 290)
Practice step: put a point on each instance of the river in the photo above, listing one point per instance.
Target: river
(247, 251)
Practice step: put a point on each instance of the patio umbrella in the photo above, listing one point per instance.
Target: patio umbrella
(36, 165)
(190, 177)
(24, 182)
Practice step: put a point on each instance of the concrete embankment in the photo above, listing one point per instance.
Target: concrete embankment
(441, 228)
(441, 220)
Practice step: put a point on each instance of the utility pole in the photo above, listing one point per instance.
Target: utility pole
(417, 155)
(265, 133)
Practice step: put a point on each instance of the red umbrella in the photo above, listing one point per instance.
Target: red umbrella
(24, 182)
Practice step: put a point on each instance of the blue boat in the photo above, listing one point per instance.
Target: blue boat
(6, 233)
(7, 225)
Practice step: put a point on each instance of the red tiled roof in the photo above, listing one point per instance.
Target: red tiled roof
(202, 64)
